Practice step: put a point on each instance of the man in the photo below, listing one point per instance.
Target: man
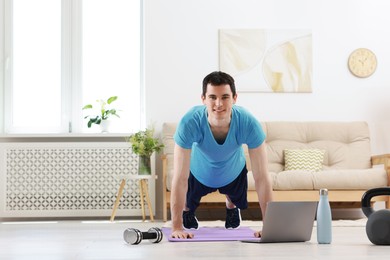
(208, 156)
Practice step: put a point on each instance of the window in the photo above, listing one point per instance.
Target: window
(61, 55)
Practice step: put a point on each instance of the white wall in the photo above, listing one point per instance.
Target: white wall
(1, 70)
(181, 47)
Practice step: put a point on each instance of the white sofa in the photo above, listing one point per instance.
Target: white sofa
(348, 168)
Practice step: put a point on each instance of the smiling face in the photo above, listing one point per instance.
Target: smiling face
(219, 101)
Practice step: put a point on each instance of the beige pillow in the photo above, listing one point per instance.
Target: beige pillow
(304, 159)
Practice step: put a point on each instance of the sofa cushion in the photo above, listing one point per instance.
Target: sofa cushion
(347, 144)
(304, 159)
(330, 179)
(346, 179)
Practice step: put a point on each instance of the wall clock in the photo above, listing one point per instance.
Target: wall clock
(362, 63)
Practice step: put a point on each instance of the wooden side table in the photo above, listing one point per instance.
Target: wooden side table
(143, 192)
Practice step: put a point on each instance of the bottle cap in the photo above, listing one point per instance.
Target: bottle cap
(323, 191)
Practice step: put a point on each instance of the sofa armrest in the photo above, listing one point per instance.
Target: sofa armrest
(164, 170)
(385, 160)
(164, 188)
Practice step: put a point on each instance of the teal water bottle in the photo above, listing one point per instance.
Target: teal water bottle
(324, 219)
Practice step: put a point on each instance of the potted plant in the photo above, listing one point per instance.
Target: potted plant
(143, 143)
(103, 114)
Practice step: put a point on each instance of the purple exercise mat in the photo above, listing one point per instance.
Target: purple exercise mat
(214, 234)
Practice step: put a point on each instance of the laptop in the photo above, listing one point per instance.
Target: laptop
(287, 222)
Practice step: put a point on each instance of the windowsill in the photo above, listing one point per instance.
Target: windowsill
(64, 135)
(71, 137)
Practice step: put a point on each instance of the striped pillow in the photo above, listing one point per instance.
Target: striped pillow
(304, 159)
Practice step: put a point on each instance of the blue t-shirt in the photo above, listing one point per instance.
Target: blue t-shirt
(216, 165)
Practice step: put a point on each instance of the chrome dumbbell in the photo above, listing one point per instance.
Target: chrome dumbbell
(134, 236)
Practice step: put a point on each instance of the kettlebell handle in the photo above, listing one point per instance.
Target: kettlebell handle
(368, 195)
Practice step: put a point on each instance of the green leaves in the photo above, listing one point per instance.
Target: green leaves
(107, 113)
(87, 106)
(104, 112)
(111, 99)
(97, 120)
(143, 142)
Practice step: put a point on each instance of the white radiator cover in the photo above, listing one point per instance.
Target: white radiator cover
(64, 179)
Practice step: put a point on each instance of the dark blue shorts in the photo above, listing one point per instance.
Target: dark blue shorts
(236, 190)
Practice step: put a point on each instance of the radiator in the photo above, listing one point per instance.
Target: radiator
(64, 179)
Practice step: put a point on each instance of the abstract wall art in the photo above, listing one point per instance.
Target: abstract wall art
(263, 60)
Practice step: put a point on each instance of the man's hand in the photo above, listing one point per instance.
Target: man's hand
(257, 234)
(181, 234)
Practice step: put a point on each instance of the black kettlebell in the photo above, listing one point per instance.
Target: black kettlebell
(378, 223)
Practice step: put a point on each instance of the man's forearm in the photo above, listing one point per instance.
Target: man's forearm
(265, 193)
(178, 195)
(177, 206)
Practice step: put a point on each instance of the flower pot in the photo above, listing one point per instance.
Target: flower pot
(144, 165)
(105, 126)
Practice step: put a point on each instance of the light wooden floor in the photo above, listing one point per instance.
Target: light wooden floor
(104, 240)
